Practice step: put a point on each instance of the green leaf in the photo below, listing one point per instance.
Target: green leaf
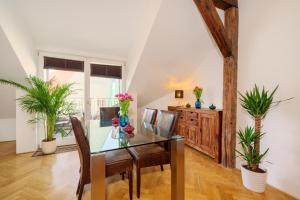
(247, 137)
(46, 99)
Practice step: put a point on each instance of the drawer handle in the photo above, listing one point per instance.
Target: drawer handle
(192, 120)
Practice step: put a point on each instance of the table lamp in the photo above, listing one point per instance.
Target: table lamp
(179, 95)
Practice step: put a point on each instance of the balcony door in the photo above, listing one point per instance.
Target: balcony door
(95, 86)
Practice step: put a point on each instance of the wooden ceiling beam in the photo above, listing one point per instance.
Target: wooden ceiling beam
(225, 4)
(215, 25)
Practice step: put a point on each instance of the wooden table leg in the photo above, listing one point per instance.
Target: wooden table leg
(98, 177)
(177, 169)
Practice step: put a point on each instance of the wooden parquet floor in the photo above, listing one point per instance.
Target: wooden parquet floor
(55, 177)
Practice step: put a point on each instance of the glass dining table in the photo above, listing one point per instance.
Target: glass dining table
(104, 139)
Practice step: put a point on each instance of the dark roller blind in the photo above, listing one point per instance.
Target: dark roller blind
(106, 71)
(63, 64)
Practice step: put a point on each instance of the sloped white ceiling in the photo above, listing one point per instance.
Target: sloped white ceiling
(100, 28)
(176, 46)
(10, 68)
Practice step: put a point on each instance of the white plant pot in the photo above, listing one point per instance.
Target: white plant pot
(49, 147)
(254, 181)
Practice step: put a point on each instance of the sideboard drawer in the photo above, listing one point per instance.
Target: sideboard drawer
(191, 114)
(192, 121)
(181, 118)
(181, 115)
(181, 112)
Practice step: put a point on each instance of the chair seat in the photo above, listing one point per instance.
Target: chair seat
(152, 151)
(118, 161)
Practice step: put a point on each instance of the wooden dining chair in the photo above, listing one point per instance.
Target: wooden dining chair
(116, 162)
(149, 116)
(155, 154)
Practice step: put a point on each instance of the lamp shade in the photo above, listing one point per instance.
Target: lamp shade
(179, 94)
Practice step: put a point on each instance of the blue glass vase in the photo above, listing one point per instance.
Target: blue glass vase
(123, 120)
(198, 104)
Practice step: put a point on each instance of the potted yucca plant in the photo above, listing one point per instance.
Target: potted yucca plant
(47, 102)
(257, 102)
(254, 178)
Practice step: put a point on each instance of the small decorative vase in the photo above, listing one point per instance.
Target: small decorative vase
(198, 104)
(123, 120)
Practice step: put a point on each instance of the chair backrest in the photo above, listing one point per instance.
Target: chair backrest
(83, 146)
(149, 116)
(166, 123)
(106, 115)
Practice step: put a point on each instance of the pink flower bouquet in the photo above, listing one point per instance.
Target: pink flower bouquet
(124, 102)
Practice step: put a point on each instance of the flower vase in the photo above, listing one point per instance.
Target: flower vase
(123, 120)
(198, 104)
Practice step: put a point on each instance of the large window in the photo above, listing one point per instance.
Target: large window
(105, 83)
(62, 77)
(102, 93)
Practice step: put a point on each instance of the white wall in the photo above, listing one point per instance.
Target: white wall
(208, 74)
(24, 49)
(7, 129)
(269, 55)
(133, 111)
(141, 39)
(26, 137)
(177, 44)
(18, 36)
(10, 68)
(8, 106)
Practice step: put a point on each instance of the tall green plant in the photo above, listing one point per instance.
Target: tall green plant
(249, 153)
(257, 102)
(44, 99)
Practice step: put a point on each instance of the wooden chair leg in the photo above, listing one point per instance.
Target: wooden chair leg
(138, 181)
(81, 187)
(123, 175)
(130, 184)
(161, 167)
(77, 191)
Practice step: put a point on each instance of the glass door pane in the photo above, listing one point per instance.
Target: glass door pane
(62, 77)
(102, 99)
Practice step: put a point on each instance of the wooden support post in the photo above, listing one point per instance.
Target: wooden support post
(226, 37)
(230, 90)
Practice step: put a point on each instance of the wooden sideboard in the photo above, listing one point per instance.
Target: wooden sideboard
(201, 129)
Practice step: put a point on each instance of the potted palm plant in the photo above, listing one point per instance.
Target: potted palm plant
(257, 102)
(46, 101)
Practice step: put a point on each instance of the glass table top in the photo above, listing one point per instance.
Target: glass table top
(102, 139)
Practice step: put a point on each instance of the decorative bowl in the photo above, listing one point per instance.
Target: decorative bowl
(212, 107)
